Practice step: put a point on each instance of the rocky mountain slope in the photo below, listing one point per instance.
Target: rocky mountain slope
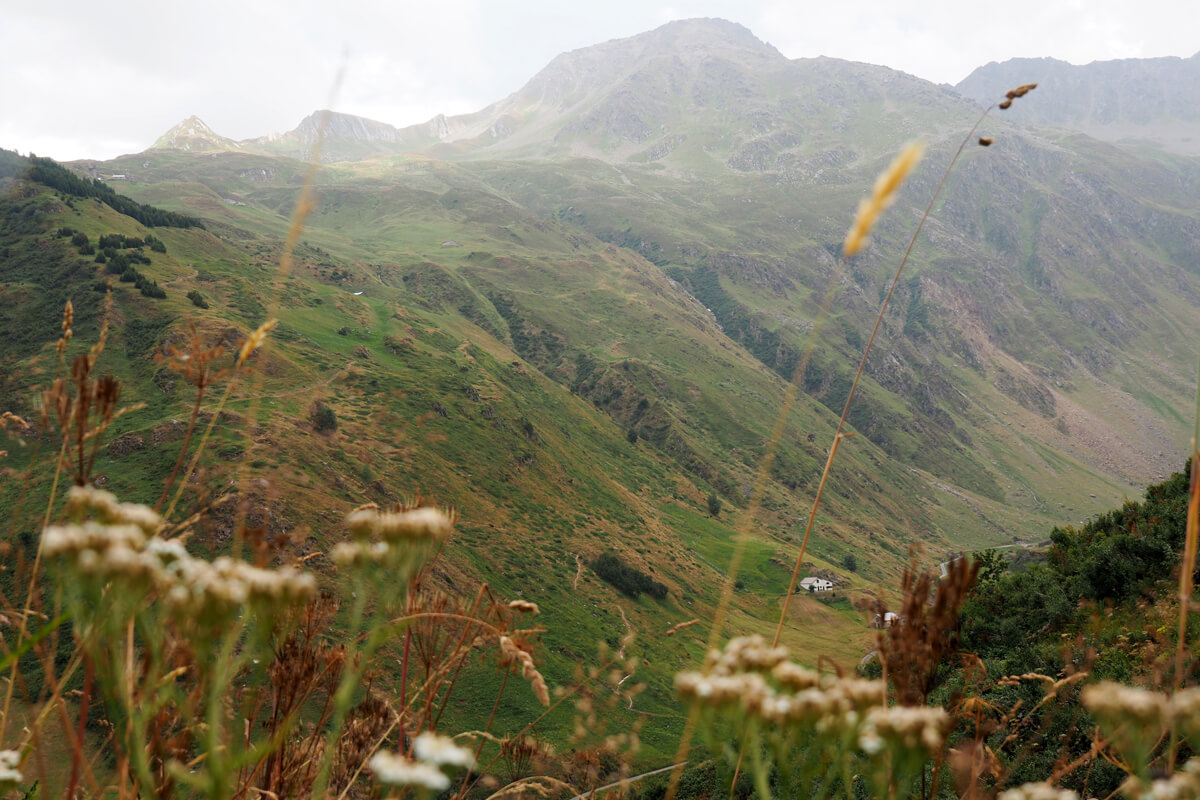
(194, 135)
(1149, 100)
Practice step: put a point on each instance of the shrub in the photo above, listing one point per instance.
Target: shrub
(324, 418)
(628, 580)
(197, 299)
(150, 288)
(714, 505)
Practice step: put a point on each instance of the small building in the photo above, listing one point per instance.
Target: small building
(887, 620)
(816, 585)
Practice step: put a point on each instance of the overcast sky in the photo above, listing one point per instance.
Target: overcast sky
(89, 79)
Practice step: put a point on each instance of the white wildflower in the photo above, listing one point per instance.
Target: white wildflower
(1184, 708)
(397, 770)
(10, 776)
(441, 750)
(1115, 701)
(1183, 785)
(909, 727)
(1038, 791)
(417, 524)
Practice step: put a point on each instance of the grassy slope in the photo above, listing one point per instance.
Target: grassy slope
(455, 374)
(538, 473)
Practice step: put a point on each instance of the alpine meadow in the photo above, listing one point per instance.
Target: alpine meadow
(694, 422)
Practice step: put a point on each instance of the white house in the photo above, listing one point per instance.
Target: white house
(816, 585)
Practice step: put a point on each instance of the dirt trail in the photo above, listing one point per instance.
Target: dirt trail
(578, 572)
(628, 633)
(628, 637)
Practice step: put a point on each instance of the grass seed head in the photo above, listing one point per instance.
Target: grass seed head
(524, 606)
(886, 186)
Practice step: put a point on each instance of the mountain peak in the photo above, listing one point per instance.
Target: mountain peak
(336, 125)
(194, 135)
(710, 31)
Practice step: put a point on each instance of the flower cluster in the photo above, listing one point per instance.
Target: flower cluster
(433, 753)
(202, 589)
(906, 727)
(419, 524)
(1038, 791)
(121, 546)
(1118, 703)
(750, 678)
(1183, 785)
(398, 770)
(391, 538)
(10, 776)
(1185, 712)
(1135, 718)
(105, 508)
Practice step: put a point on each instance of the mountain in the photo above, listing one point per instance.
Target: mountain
(193, 135)
(1149, 100)
(575, 314)
(706, 92)
(343, 137)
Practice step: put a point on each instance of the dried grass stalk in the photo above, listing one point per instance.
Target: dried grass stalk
(886, 187)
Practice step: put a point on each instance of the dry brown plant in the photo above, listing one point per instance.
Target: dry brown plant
(912, 648)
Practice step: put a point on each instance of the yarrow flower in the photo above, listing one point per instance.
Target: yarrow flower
(1185, 712)
(415, 525)
(904, 726)
(394, 540)
(108, 510)
(441, 750)
(1038, 791)
(756, 680)
(10, 776)
(1115, 701)
(395, 769)
(122, 546)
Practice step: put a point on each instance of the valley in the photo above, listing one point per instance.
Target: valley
(573, 316)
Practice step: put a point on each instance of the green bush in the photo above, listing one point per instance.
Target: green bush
(714, 505)
(324, 418)
(628, 580)
(197, 299)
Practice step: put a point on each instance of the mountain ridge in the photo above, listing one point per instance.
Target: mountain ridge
(1148, 100)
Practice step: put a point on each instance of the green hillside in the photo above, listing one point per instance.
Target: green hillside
(572, 316)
